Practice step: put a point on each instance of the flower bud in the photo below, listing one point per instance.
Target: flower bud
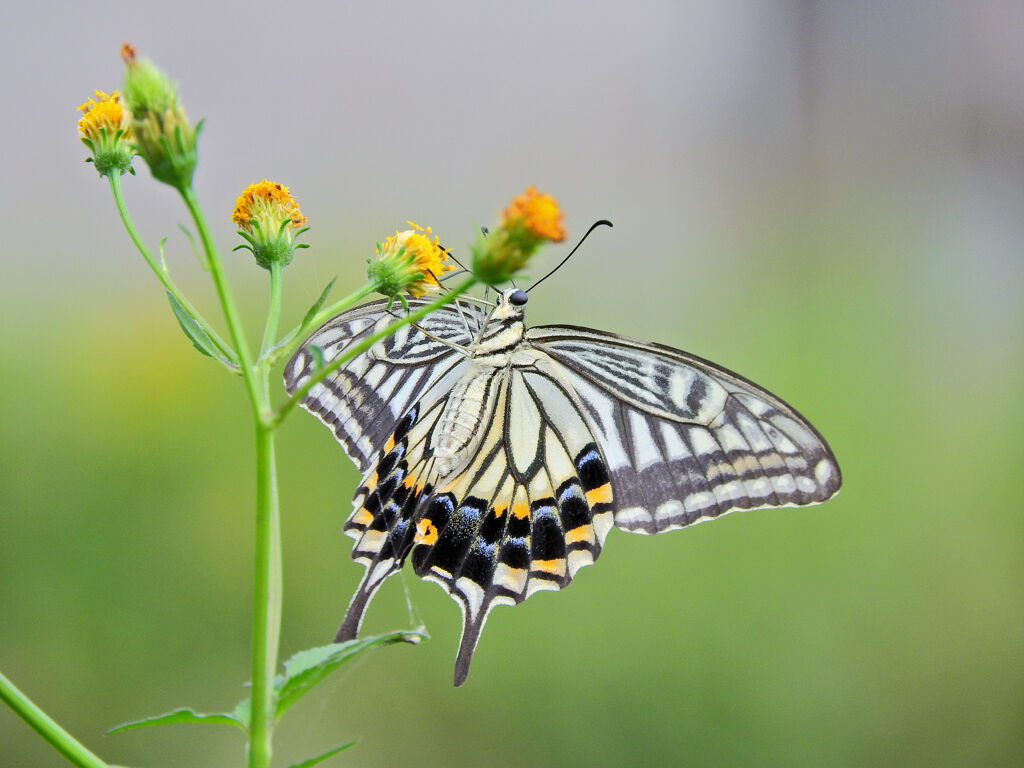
(162, 134)
(529, 221)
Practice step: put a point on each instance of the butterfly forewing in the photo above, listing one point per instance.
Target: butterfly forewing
(685, 439)
(363, 401)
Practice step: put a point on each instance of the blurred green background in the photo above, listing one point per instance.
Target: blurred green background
(823, 196)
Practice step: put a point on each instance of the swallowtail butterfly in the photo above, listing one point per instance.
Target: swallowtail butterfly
(499, 457)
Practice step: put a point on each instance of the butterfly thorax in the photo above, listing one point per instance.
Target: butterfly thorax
(500, 336)
(497, 347)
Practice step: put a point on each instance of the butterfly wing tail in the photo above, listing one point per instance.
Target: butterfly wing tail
(374, 577)
(471, 627)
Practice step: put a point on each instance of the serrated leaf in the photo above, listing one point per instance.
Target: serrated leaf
(181, 716)
(307, 668)
(319, 303)
(320, 758)
(242, 712)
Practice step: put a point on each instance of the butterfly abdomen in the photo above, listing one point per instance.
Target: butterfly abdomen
(459, 430)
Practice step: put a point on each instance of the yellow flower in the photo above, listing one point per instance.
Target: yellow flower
(269, 219)
(266, 204)
(409, 262)
(104, 129)
(538, 213)
(104, 113)
(529, 221)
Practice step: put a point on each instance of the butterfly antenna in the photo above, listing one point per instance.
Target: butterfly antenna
(456, 273)
(595, 225)
(452, 257)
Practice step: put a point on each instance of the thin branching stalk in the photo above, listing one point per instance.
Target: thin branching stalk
(58, 738)
(161, 272)
(274, 310)
(227, 301)
(294, 338)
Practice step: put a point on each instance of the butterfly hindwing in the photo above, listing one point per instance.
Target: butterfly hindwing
(687, 440)
(532, 508)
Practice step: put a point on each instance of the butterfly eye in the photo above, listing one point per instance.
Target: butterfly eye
(518, 298)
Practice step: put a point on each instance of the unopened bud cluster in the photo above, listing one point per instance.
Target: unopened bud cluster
(162, 134)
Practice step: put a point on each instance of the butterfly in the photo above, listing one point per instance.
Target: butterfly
(500, 457)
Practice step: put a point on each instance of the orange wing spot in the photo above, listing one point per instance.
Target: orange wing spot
(410, 480)
(499, 512)
(521, 510)
(426, 532)
(371, 483)
(603, 493)
(389, 444)
(362, 517)
(582, 533)
(556, 566)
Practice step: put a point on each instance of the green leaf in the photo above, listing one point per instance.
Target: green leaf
(199, 338)
(181, 716)
(307, 668)
(319, 303)
(320, 758)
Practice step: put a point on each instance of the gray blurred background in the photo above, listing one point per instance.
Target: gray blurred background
(824, 196)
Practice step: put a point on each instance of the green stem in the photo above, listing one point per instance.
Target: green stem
(318, 376)
(274, 310)
(266, 624)
(58, 738)
(291, 341)
(227, 302)
(161, 271)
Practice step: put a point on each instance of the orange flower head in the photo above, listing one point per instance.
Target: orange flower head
(266, 204)
(269, 220)
(538, 213)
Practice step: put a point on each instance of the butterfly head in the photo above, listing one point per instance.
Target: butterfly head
(510, 304)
